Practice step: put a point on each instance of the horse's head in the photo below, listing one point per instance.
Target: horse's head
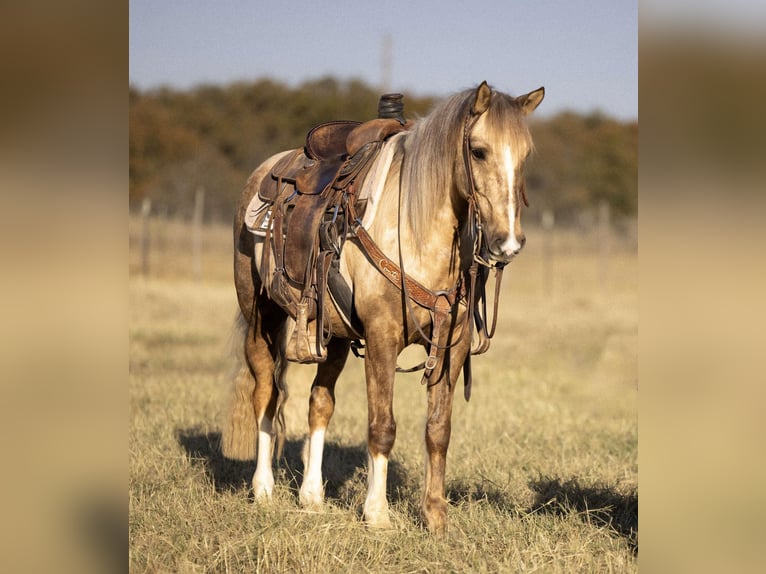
(492, 160)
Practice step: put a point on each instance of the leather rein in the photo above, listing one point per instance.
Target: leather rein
(442, 303)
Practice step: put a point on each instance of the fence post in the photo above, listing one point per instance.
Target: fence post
(604, 248)
(199, 209)
(548, 222)
(146, 209)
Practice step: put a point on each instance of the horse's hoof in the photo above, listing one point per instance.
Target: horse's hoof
(435, 514)
(378, 520)
(438, 527)
(311, 498)
(263, 489)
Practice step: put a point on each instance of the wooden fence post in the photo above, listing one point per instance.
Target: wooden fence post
(146, 209)
(548, 222)
(199, 209)
(604, 247)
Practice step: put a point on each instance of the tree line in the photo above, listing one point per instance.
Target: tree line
(212, 137)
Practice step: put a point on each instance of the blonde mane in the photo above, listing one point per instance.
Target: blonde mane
(433, 145)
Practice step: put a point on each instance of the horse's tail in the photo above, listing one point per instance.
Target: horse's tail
(280, 382)
(240, 427)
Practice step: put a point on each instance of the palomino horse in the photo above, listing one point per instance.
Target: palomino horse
(444, 197)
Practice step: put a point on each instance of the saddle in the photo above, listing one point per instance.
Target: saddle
(304, 203)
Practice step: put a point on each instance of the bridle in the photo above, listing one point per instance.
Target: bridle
(441, 303)
(474, 216)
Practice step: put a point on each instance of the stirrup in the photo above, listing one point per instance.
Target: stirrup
(300, 347)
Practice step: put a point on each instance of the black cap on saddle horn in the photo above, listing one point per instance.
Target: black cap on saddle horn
(391, 106)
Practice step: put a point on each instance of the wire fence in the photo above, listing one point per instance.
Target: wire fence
(170, 248)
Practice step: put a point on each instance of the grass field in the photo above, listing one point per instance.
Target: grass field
(542, 469)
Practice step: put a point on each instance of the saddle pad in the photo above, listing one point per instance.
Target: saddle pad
(257, 216)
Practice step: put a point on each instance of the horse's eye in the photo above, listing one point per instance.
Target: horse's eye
(478, 153)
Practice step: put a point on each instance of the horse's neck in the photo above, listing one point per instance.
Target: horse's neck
(434, 258)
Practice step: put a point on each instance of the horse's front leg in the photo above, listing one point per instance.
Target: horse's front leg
(321, 408)
(438, 430)
(380, 367)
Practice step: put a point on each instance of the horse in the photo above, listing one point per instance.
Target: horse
(444, 197)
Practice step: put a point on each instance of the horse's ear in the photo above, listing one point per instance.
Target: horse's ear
(530, 101)
(483, 96)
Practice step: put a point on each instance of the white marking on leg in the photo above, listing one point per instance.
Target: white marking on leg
(511, 245)
(263, 479)
(376, 505)
(311, 493)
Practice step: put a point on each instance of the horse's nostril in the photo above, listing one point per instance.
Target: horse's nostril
(521, 241)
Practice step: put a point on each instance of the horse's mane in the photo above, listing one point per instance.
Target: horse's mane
(434, 142)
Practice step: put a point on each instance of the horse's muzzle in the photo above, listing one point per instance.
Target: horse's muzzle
(502, 251)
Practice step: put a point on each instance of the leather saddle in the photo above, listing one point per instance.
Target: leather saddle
(306, 194)
(327, 147)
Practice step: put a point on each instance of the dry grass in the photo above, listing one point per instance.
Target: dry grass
(542, 469)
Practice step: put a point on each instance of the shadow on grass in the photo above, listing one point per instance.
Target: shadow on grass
(345, 475)
(600, 505)
(464, 491)
(603, 506)
(205, 448)
(343, 467)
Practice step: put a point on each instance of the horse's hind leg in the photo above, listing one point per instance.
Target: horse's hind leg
(263, 351)
(321, 408)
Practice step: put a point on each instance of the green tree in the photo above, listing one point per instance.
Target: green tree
(214, 136)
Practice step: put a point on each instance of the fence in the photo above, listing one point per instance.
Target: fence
(165, 248)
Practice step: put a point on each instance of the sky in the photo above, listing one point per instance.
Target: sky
(584, 52)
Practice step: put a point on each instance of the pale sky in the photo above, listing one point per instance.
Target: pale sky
(584, 52)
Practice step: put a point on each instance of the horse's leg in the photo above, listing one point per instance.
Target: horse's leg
(262, 349)
(438, 430)
(380, 367)
(321, 407)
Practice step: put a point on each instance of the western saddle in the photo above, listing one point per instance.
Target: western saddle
(302, 211)
(307, 208)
